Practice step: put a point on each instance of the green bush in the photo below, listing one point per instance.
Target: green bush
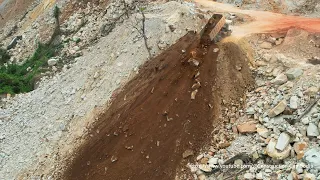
(16, 79)
(4, 56)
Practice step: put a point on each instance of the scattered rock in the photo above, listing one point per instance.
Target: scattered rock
(213, 161)
(215, 50)
(194, 62)
(187, 153)
(274, 153)
(278, 109)
(266, 45)
(250, 111)
(309, 176)
(205, 168)
(294, 100)
(263, 132)
(294, 73)
(312, 91)
(194, 93)
(196, 85)
(248, 127)
(280, 79)
(248, 176)
(279, 41)
(312, 130)
(299, 148)
(238, 162)
(283, 141)
(53, 61)
(259, 175)
(114, 159)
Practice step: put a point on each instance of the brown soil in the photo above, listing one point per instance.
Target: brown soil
(153, 120)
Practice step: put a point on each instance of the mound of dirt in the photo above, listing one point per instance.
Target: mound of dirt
(154, 119)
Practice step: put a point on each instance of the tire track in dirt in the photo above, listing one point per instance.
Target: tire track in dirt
(153, 120)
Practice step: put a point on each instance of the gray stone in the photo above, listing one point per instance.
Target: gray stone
(312, 130)
(312, 157)
(280, 79)
(283, 141)
(294, 102)
(293, 73)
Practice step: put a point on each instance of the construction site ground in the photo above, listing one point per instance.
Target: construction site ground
(116, 113)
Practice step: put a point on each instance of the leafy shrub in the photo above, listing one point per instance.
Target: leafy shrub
(17, 79)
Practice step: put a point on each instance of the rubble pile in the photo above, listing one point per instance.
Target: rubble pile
(278, 129)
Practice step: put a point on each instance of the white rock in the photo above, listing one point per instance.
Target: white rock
(248, 176)
(213, 161)
(305, 120)
(280, 79)
(52, 61)
(215, 50)
(294, 102)
(259, 175)
(283, 141)
(299, 168)
(312, 130)
(205, 168)
(274, 153)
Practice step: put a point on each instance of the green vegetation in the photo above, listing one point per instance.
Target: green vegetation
(17, 78)
(4, 56)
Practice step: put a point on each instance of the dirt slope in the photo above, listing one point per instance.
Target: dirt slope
(153, 120)
(13, 9)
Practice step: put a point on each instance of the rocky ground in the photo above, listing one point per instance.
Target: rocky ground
(274, 128)
(278, 130)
